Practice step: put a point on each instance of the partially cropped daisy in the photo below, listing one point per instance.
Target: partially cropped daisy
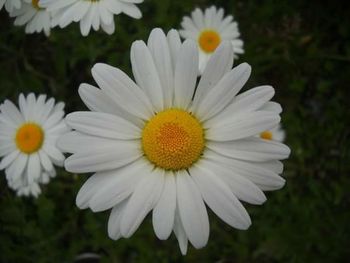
(209, 29)
(91, 13)
(10, 5)
(36, 18)
(28, 138)
(275, 134)
(167, 145)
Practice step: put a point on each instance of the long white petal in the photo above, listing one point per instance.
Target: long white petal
(103, 125)
(185, 74)
(218, 65)
(142, 201)
(220, 199)
(193, 213)
(145, 73)
(164, 211)
(223, 92)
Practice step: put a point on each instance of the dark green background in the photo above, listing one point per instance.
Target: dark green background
(300, 47)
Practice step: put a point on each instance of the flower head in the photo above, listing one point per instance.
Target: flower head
(34, 16)
(166, 145)
(28, 142)
(209, 29)
(90, 13)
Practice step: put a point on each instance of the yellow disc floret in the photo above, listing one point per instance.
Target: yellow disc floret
(267, 135)
(173, 139)
(209, 40)
(29, 138)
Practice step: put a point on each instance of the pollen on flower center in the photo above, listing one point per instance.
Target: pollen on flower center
(173, 139)
(209, 40)
(267, 135)
(29, 138)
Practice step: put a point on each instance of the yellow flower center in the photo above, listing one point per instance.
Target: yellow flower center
(29, 138)
(267, 135)
(209, 40)
(35, 4)
(173, 139)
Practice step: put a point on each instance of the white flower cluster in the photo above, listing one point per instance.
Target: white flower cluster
(42, 15)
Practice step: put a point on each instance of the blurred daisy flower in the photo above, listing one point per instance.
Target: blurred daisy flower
(10, 5)
(275, 134)
(28, 138)
(167, 145)
(34, 16)
(209, 29)
(91, 13)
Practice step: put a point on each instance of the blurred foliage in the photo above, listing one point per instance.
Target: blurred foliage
(300, 47)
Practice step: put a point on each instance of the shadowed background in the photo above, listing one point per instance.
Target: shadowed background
(300, 47)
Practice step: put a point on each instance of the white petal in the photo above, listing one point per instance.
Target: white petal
(96, 100)
(220, 199)
(33, 168)
(241, 187)
(12, 112)
(115, 219)
(242, 126)
(8, 159)
(55, 155)
(164, 211)
(90, 187)
(121, 186)
(218, 65)
(193, 213)
(142, 201)
(119, 87)
(223, 92)
(159, 48)
(103, 124)
(45, 161)
(251, 149)
(248, 101)
(146, 74)
(180, 233)
(259, 173)
(185, 74)
(174, 45)
(102, 159)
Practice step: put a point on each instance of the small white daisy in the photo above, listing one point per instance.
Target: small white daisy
(35, 17)
(209, 29)
(28, 142)
(275, 134)
(167, 145)
(91, 13)
(10, 5)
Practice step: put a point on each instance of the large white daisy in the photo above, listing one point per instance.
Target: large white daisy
(10, 5)
(35, 17)
(91, 13)
(28, 142)
(165, 144)
(209, 29)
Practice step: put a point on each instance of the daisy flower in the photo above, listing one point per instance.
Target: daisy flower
(35, 17)
(28, 138)
(91, 13)
(10, 5)
(275, 134)
(209, 29)
(166, 145)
